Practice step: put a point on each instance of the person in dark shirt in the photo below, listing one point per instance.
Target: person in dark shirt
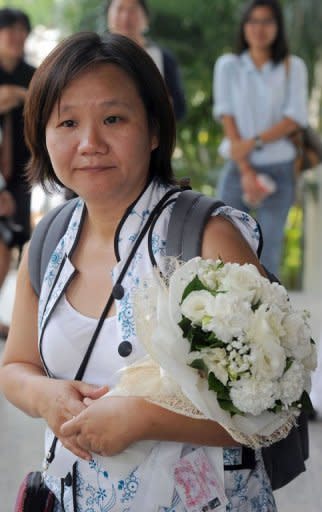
(15, 75)
(130, 18)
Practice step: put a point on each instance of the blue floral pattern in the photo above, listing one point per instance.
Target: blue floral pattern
(96, 491)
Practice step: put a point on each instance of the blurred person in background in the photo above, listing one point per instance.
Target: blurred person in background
(130, 18)
(15, 75)
(260, 96)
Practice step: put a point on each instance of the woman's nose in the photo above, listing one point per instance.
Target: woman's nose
(93, 141)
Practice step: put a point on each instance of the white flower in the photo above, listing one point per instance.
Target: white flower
(243, 281)
(267, 355)
(297, 338)
(253, 396)
(275, 293)
(229, 318)
(208, 273)
(311, 361)
(198, 305)
(216, 361)
(292, 384)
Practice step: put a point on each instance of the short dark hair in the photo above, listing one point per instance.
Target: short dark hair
(9, 17)
(142, 3)
(67, 61)
(279, 47)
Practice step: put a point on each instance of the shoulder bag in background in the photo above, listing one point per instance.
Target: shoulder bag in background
(307, 141)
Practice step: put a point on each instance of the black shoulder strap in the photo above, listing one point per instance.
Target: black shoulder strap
(45, 238)
(188, 219)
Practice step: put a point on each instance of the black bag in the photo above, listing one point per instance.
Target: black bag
(34, 495)
(283, 460)
(308, 144)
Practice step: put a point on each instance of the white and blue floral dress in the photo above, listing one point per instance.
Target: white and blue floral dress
(97, 488)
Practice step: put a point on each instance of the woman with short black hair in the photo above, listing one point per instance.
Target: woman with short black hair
(99, 121)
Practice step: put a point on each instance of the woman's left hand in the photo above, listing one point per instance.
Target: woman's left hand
(241, 148)
(108, 425)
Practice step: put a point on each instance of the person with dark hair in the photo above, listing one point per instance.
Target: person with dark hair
(15, 75)
(260, 95)
(98, 120)
(131, 19)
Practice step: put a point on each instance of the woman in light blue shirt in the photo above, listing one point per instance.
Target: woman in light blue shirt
(261, 98)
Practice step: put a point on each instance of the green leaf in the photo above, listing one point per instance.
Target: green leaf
(227, 405)
(215, 385)
(200, 365)
(289, 363)
(194, 286)
(185, 325)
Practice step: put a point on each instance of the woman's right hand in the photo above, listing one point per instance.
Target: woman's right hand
(60, 401)
(253, 192)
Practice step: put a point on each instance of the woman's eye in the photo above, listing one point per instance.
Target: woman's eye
(68, 123)
(112, 119)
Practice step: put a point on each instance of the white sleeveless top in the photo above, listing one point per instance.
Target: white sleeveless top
(69, 332)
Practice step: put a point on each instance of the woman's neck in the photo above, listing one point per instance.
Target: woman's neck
(140, 40)
(105, 215)
(260, 56)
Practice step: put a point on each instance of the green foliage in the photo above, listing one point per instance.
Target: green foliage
(197, 32)
(292, 257)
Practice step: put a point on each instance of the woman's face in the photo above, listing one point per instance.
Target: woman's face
(98, 138)
(261, 28)
(12, 41)
(127, 17)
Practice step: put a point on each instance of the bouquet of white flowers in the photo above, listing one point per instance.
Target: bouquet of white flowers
(230, 348)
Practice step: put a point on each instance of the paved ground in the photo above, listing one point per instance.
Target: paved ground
(21, 437)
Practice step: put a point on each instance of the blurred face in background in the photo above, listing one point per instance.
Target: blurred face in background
(260, 28)
(128, 18)
(12, 41)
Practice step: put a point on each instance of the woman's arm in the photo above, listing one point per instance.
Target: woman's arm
(110, 425)
(240, 148)
(252, 189)
(22, 377)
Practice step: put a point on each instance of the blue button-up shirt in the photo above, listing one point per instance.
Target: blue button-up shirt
(259, 99)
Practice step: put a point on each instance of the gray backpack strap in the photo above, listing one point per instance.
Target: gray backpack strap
(190, 214)
(44, 240)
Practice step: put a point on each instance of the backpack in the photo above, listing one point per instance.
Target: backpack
(283, 460)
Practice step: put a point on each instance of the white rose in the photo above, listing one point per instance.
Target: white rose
(267, 356)
(208, 273)
(266, 324)
(275, 293)
(297, 338)
(198, 305)
(267, 360)
(311, 361)
(253, 396)
(243, 280)
(216, 361)
(229, 318)
(292, 384)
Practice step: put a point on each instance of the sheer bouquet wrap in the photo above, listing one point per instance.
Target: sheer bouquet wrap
(224, 344)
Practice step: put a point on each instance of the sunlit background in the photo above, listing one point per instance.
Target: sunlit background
(206, 30)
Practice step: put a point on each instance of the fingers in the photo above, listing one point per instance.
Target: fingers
(98, 393)
(71, 444)
(89, 390)
(70, 427)
(88, 401)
